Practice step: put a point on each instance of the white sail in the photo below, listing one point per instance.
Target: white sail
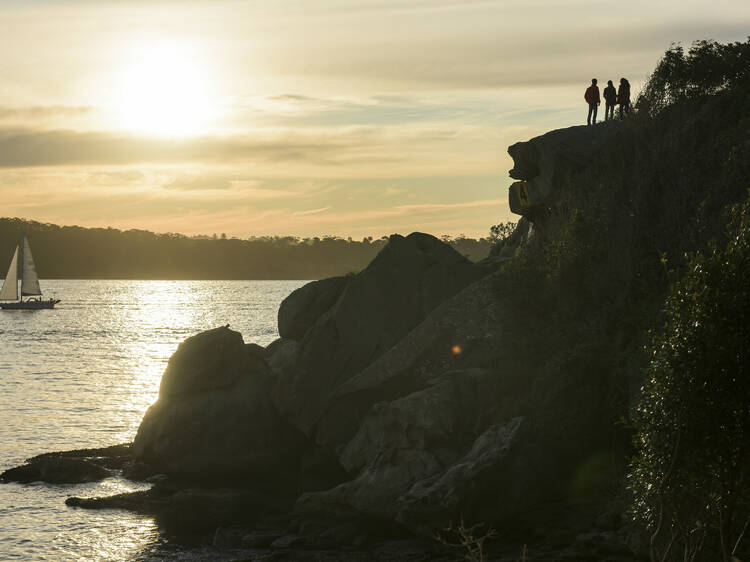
(9, 292)
(29, 279)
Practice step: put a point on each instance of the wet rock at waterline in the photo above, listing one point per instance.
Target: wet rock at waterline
(71, 467)
(60, 470)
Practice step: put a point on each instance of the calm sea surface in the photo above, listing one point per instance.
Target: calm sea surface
(82, 375)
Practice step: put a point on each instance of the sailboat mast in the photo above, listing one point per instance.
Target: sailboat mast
(20, 267)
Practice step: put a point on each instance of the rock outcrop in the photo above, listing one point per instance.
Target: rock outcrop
(57, 471)
(407, 395)
(303, 307)
(403, 392)
(393, 395)
(71, 467)
(449, 421)
(215, 419)
(379, 306)
(460, 334)
(547, 162)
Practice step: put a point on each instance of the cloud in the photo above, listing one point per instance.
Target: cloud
(40, 113)
(319, 152)
(364, 46)
(416, 212)
(22, 148)
(470, 217)
(438, 207)
(135, 198)
(310, 212)
(347, 117)
(293, 98)
(190, 182)
(492, 58)
(430, 45)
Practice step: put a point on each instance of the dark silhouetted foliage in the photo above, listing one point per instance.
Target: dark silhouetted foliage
(706, 68)
(499, 233)
(691, 476)
(588, 284)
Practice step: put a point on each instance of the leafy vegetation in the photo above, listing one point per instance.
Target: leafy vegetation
(500, 233)
(691, 476)
(593, 278)
(707, 68)
(659, 188)
(74, 252)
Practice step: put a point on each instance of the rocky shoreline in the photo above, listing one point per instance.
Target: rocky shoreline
(397, 402)
(255, 526)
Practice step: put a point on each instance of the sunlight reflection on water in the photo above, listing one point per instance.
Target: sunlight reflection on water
(83, 375)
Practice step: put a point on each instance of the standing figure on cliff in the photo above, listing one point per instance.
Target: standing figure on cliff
(610, 100)
(592, 98)
(623, 97)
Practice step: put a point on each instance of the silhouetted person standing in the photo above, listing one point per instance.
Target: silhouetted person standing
(592, 98)
(623, 97)
(610, 99)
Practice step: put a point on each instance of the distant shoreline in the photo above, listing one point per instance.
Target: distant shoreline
(73, 252)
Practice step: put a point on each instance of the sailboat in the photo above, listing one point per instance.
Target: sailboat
(29, 282)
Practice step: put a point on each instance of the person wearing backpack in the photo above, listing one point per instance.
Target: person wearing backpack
(592, 98)
(610, 100)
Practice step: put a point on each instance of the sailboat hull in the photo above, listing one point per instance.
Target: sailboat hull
(29, 305)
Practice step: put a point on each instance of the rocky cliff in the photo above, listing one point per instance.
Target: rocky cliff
(427, 389)
(408, 394)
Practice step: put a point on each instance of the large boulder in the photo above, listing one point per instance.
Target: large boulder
(301, 309)
(408, 278)
(213, 360)
(215, 418)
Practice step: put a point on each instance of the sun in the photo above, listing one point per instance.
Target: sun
(165, 89)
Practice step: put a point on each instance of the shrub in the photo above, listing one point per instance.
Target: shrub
(706, 68)
(500, 233)
(691, 474)
(467, 540)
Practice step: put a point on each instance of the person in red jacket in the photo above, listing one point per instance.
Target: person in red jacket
(592, 98)
(623, 97)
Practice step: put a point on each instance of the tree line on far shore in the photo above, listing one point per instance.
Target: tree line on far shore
(74, 252)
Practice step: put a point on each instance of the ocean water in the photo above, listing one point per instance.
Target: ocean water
(82, 375)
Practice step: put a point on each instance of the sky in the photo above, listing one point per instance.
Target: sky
(306, 118)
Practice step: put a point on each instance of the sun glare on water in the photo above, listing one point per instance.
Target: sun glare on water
(164, 89)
